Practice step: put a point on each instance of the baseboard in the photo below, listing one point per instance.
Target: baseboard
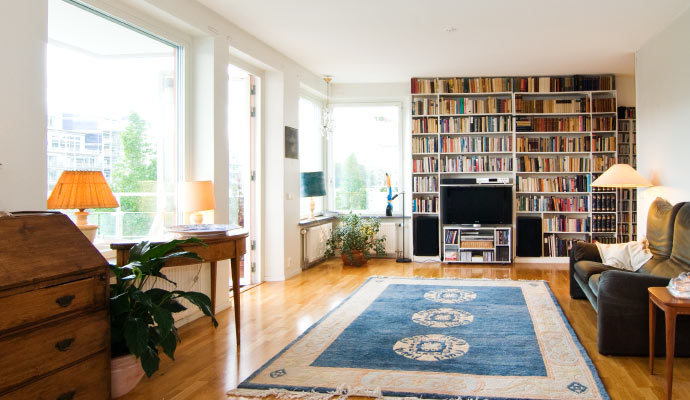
(542, 260)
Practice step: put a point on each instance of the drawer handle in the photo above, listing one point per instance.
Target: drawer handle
(67, 395)
(65, 301)
(63, 345)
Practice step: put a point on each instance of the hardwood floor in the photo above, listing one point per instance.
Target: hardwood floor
(275, 313)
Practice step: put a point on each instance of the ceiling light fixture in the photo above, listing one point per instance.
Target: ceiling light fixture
(327, 123)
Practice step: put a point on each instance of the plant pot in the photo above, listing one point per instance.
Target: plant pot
(357, 258)
(125, 373)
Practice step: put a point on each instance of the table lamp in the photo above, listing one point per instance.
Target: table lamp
(621, 176)
(82, 190)
(197, 197)
(313, 185)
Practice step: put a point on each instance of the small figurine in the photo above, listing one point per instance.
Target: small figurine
(389, 207)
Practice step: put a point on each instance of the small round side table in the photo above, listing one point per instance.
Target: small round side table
(672, 307)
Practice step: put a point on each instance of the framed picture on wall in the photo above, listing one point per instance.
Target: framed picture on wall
(291, 143)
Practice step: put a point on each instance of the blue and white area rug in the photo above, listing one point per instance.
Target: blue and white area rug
(435, 339)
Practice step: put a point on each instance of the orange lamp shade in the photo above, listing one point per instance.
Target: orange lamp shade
(198, 196)
(81, 189)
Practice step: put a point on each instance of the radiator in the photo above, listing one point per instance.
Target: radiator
(194, 278)
(390, 231)
(316, 238)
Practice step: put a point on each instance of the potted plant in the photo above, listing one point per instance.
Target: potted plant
(141, 316)
(355, 237)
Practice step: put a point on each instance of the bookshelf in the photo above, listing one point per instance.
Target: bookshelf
(551, 136)
(462, 244)
(627, 154)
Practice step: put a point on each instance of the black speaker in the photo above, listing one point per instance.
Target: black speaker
(529, 236)
(425, 235)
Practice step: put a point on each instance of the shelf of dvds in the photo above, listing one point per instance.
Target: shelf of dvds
(551, 136)
(487, 244)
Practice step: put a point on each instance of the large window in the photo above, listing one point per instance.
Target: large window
(365, 146)
(310, 147)
(113, 106)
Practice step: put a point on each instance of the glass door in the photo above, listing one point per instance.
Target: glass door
(242, 123)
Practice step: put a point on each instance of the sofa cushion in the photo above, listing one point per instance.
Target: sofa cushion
(660, 227)
(585, 269)
(593, 283)
(679, 256)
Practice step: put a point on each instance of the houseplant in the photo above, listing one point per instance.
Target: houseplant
(141, 316)
(355, 237)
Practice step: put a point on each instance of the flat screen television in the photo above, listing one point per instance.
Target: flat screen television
(485, 205)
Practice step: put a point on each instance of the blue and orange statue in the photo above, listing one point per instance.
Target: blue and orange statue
(389, 207)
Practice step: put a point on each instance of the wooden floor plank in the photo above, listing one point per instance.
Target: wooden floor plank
(274, 313)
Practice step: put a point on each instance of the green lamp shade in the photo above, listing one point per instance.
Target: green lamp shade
(313, 184)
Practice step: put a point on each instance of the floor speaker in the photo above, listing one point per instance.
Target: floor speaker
(425, 235)
(529, 236)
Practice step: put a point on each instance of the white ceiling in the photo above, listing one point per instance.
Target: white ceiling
(393, 40)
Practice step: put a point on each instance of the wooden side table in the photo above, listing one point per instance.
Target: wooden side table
(672, 307)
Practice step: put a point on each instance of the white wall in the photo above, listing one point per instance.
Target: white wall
(663, 105)
(23, 173)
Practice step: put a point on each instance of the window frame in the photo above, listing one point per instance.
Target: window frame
(330, 186)
(136, 21)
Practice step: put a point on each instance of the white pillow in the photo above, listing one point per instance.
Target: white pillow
(629, 256)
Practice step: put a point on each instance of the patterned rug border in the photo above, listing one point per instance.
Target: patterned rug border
(343, 392)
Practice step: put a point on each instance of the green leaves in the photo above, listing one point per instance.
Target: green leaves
(142, 320)
(355, 233)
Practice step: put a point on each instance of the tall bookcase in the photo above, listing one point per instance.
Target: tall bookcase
(627, 154)
(551, 136)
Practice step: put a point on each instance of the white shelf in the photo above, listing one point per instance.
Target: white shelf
(504, 133)
(553, 133)
(477, 152)
(552, 152)
(475, 115)
(517, 114)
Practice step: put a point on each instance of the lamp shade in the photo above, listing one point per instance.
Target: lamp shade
(81, 189)
(198, 196)
(313, 184)
(621, 176)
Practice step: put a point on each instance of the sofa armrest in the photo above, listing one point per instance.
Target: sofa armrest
(579, 252)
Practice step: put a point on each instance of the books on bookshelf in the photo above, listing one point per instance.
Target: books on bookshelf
(560, 184)
(476, 124)
(425, 184)
(564, 223)
(626, 112)
(425, 125)
(451, 236)
(536, 203)
(602, 105)
(580, 123)
(550, 144)
(425, 144)
(476, 144)
(424, 107)
(603, 202)
(604, 222)
(472, 105)
(555, 246)
(551, 106)
(425, 204)
(546, 84)
(602, 162)
(502, 237)
(603, 124)
(427, 164)
(553, 164)
(603, 143)
(474, 85)
(477, 164)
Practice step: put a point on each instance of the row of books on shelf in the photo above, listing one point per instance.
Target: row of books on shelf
(625, 137)
(627, 194)
(552, 203)
(552, 144)
(625, 206)
(577, 183)
(540, 84)
(424, 107)
(451, 236)
(427, 164)
(425, 204)
(553, 164)
(425, 125)
(604, 105)
(564, 223)
(476, 164)
(604, 124)
(502, 236)
(476, 144)
(604, 222)
(604, 202)
(469, 256)
(626, 112)
(602, 162)
(627, 217)
(624, 125)
(603, 143)
(425, 184)
(607, 239)
(425, 144)
(581, 123)
(603, 189)
(627, 229)
(476, 124)
(468, 105)
(551, 106)
(625, 159)
(556, 246)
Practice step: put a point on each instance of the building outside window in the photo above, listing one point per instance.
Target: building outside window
(365, 146)
(310, 148)
(113, 96)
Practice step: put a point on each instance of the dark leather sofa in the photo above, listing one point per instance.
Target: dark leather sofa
(620, 297)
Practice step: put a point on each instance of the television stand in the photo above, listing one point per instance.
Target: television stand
(478, 245)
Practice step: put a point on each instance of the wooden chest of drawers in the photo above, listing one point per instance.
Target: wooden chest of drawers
(54, 324)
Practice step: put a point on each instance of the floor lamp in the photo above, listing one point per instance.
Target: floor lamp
(402, 258)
